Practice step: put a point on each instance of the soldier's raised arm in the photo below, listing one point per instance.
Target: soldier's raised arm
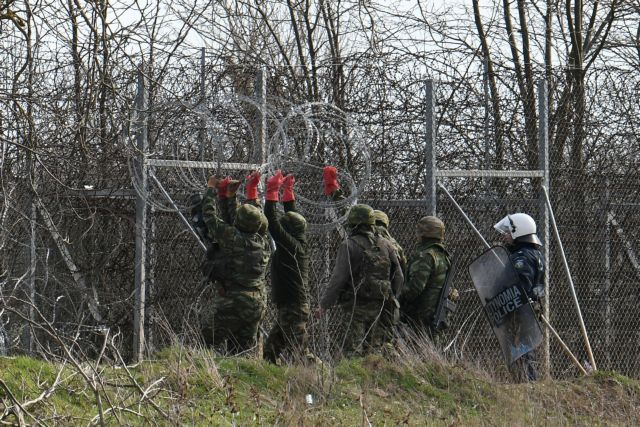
(230, 209)
(288, 228)
(332, 186)
(288, 197)
(220, 185)
(251, 188)
(216, 226)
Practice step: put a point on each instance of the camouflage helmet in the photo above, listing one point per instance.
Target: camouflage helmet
(381, 218)
(248, 219)
(430, 227)
(361, 214)
(294, 223)
(264, 224)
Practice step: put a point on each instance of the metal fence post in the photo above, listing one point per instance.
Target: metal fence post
(202, 132)
(261, 115)
(607, 275)
(487, 117)
(543, 165)
(32, 271)
(429, 151)
(141, 221)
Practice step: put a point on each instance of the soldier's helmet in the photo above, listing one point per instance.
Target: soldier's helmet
(520, 226)
(264, 224)
(294, 223)
(360, 214)
(381, 218)
(430, 227)
(248, 219)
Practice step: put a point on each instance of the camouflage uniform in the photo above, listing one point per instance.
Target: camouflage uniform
(365, 281)
(426, 276)
(239, 304)
(382, 228)
(209, 265)
(289, 280)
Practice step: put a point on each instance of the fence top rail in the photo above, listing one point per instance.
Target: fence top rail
(487, 173)
(451, 173)
(192, 164)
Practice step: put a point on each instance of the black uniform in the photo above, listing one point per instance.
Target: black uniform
(529, 263)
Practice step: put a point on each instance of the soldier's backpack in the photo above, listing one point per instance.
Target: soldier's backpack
(374, 276)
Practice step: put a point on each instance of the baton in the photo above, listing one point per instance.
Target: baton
(583, 328)
(563, 345)
(464, 215)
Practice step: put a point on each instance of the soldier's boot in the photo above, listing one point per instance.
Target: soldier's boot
(389, 351)
(312, 359)
(259, 349)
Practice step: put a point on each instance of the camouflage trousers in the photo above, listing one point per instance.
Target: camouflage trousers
(420, 319)
(232, 324)
(367, 326)
(288, 333)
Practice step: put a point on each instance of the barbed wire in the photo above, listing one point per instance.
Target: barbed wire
(306, 137)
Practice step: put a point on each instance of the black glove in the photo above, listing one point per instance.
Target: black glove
(538, 292)
(537, 307)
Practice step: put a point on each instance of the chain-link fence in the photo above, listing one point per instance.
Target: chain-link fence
(86, 253)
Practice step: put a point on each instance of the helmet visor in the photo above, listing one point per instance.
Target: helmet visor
(505, 226)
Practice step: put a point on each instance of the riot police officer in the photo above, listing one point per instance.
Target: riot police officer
(519, 235)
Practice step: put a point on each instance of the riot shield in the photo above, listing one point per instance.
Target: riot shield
(505, 303)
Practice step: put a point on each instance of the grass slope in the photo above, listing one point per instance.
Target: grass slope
(187, 387)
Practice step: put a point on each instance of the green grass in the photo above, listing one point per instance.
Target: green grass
(195, 388)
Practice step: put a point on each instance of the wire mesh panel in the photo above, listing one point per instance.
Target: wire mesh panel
(373, 130)
(600, 254)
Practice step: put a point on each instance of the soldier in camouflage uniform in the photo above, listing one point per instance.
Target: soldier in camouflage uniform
(365, 281)
(382, 227)
(427, 271)
(289, 267)
(332, 189)
(240, 303)
(214, 263)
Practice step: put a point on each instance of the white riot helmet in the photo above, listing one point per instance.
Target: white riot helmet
(520, 226)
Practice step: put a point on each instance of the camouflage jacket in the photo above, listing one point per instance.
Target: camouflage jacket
(290, 261)
(351, 279)
(427, 273)
(401, 255)
(243, 256)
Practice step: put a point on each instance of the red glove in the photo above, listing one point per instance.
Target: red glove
(222, 187)
(273, 186)
(287, 188)
(251, 188)
(330, 179)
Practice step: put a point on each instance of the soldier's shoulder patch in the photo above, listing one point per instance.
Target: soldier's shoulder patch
(519, 264)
